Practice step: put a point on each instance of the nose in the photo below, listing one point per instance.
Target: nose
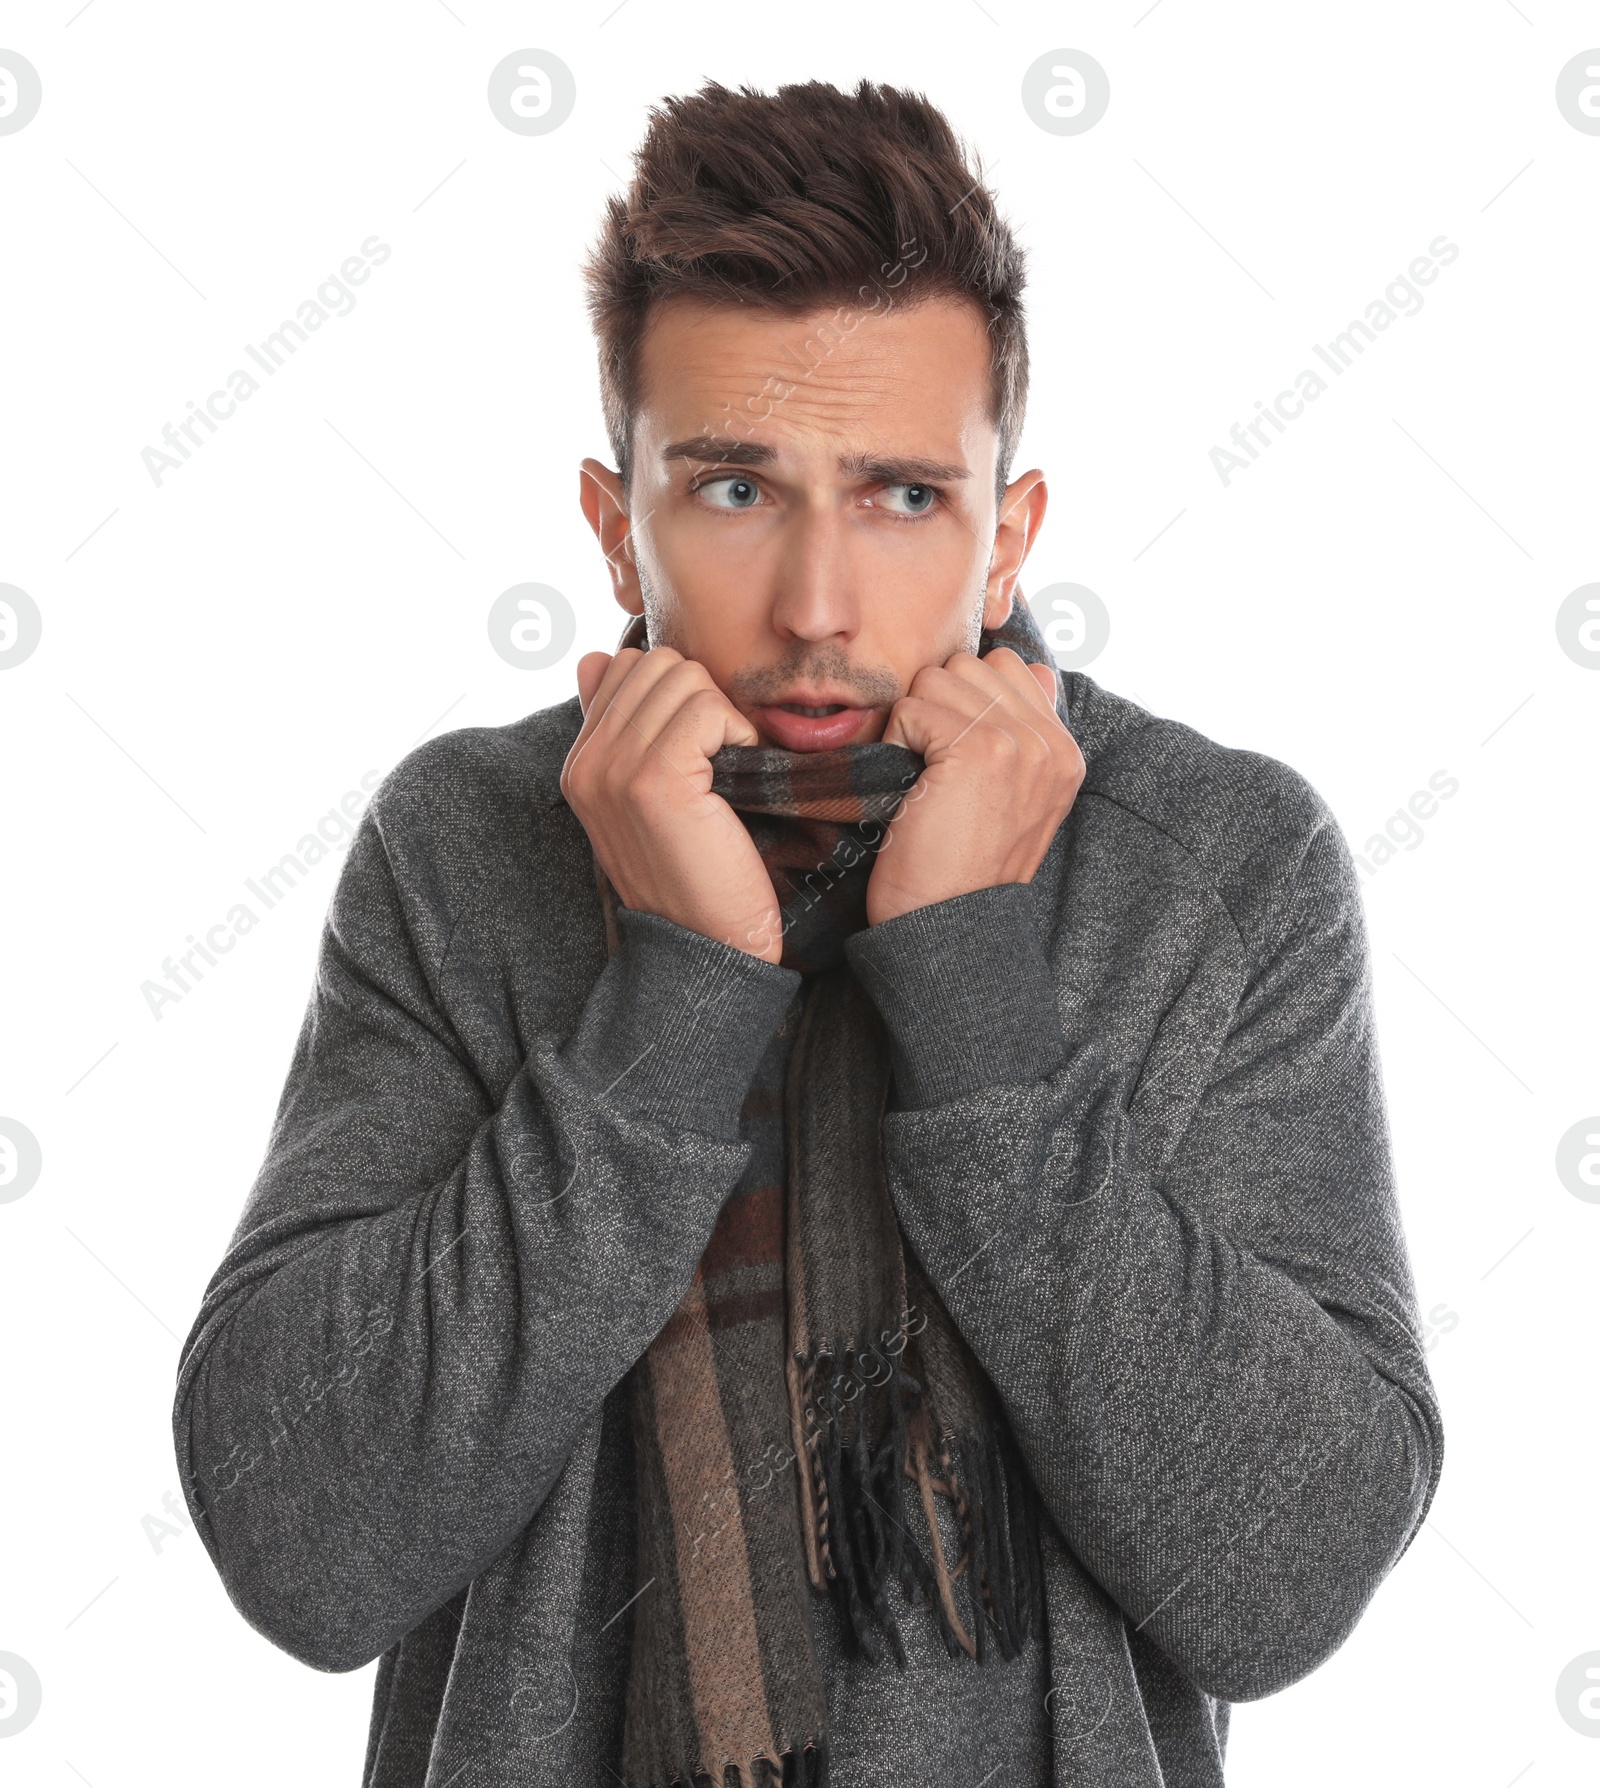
(815, 591)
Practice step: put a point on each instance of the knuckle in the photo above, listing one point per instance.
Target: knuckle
(1002, 743)
(613, 782)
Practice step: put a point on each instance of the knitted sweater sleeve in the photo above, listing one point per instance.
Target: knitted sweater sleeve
(435, 1280)
(1213, 1366)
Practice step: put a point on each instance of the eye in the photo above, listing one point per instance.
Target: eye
(919, 499)
(741, 493)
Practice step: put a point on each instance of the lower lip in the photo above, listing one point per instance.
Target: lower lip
(802, 732)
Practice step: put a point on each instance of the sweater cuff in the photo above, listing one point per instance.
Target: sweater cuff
(676, 1024)
(965, 991)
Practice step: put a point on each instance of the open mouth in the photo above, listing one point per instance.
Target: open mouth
(813, 726)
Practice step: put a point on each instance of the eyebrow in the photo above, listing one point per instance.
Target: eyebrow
(725, 450)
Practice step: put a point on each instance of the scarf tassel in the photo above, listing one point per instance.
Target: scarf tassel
(805, 1767)
(858, 1508)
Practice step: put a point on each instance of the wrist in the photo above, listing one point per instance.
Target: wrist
(966, 994)
(674, 1027)
(886, 904)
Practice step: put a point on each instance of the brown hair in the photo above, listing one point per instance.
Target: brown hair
(795, 200)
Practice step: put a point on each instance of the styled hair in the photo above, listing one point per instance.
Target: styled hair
(794, 201)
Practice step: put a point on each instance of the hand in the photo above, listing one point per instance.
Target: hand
(1001, 774)
(638, 777)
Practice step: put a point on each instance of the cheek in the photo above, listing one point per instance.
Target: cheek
(932, 571)
(697, 558)
(715, 589)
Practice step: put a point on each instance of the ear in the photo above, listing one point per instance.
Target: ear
(1018, 523)
(605, 508)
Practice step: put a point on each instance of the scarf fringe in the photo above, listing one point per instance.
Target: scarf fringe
(804, 1767)
(859, 1506)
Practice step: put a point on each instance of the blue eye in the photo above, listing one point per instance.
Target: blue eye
(919, 498)
(743, 492)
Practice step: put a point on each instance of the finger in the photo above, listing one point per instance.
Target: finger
(1023, 672)
(949, 701)
(686, 715)
(933, 728)
(978, 686)
(612, 688)
(1045, 677)
(596, 699)
(592, 667)
(1009, 661)
(605, 694)
(1036, 683)
(936, 691)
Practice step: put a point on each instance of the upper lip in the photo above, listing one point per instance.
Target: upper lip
(825, 698)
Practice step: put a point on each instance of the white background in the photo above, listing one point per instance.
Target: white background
(228, 653)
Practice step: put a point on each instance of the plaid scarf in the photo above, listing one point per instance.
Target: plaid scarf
(809, 1338)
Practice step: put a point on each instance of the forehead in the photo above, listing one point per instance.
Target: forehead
(906, 376)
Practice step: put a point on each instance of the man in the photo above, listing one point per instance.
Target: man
(831, 1218)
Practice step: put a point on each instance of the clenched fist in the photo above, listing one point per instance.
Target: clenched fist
(1001, 775)
(639, 778)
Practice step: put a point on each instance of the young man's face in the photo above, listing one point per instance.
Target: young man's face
(812, 515)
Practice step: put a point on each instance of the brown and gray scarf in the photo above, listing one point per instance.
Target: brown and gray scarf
(811, 1373)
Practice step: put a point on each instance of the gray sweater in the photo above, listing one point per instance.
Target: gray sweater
(1137, 1139)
